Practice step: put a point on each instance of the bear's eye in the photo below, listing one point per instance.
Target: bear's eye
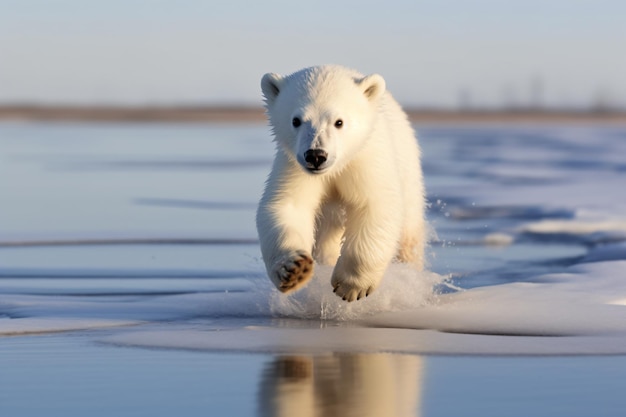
(296, 122)
(339, 123)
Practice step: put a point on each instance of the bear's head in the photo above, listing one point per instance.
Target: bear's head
(321, 116)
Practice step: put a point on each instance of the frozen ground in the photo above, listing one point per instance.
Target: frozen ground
(115, 236)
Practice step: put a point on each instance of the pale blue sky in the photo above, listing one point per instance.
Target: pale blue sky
(192, 51)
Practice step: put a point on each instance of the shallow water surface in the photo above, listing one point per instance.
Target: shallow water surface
(69, 375)
(131, 281)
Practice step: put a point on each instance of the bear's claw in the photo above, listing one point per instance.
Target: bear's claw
(294, 272)
(351, 294)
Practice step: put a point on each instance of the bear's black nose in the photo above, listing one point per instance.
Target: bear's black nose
(315, 158)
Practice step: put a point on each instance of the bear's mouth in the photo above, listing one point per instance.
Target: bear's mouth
(316, 170)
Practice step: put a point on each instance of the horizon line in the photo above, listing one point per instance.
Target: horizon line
(231, 112)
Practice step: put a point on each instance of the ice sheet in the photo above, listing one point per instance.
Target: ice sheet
(39, 325)
(529, 256)
(579, 311)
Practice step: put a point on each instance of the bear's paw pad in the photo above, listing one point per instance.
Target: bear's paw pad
(294, 272)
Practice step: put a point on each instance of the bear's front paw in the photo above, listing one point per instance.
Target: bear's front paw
(293, 272)
(352, 288)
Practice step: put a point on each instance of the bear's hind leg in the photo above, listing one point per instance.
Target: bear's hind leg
(329, 233)
(412, 246)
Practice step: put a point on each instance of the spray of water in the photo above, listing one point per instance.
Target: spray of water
(402, 288)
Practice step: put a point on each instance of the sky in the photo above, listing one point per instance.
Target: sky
(440, 53)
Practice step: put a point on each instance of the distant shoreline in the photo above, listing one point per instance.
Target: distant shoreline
(233, 114)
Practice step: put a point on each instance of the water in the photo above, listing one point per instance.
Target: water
(131, 280)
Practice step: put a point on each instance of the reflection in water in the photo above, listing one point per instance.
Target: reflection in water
(342, 385)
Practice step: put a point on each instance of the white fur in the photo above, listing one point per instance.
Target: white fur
(360, 208)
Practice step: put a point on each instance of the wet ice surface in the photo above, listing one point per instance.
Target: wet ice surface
(143, 236)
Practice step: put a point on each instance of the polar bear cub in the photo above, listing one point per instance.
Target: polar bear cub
(346, 184)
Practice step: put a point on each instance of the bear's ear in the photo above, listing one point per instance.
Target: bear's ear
(270, 85)
(373, 86)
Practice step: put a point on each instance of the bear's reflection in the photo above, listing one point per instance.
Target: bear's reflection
(341, 385)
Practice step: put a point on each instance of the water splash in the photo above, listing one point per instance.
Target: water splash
(402, 288)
